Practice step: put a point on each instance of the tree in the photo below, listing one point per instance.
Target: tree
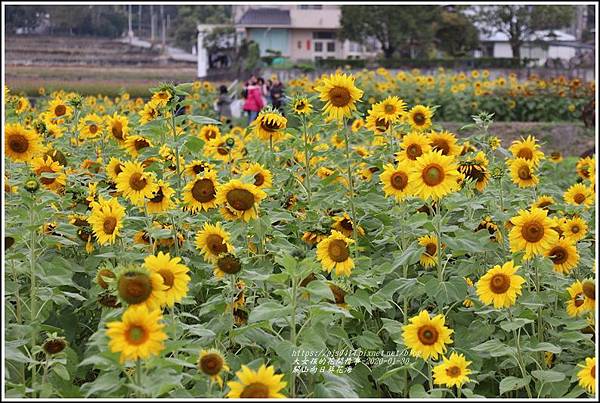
(25, 17)
(455, 34)
(188, 17)
(520, 22)
(396, 28)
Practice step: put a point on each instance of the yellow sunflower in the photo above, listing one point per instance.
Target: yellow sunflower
(564, 255)
(91, 126)
(390, 109)
(527, 149)
(134, 144)
(344, 225)
(434, 175)
(21, 144)
(584, 165)
(419, 117)
(161, 97)
(201, 193)
(59, 109)
(263, 179)
(426, 337)
(395, 181)
(452, 372)
(135, 184)
(339, 94)
(476, 170)
(174, 275)
(302, 106)
(227, 263)
(429, 256)
(269, 125)
(445, 142)
(574, 229)
(225, 149)
(137, 285)
(114, 168)
(589, 292)
(242, 199)
(161, 200)
(413, 146)
(119, 126)
(138, 335)
(532, 232)
(197, 167)
(209, 132)
(47, 165)
(576, 303)
(522, 172)
(579, 195)
(334, 253)
(106, 219)
(212, 241)
(212, 363)
(357, 124)
(587, 375)
(256, 384)
(544, 202)
(150, 112)
(500, 285)
(556, 157)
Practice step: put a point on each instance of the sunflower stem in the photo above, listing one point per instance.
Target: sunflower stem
(540, 318)
(32, 290)
(430, 374)
(519, 357)
(174, 129)
(306, 160)
(351, 186)
(138, 376)
(501, 195)
(438, 229)
(293, 332)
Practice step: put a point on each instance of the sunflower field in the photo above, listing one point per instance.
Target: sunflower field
(341, 248)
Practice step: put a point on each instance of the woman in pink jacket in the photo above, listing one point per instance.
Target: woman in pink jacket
(254, 102)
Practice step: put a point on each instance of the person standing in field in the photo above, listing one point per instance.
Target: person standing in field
(277, 94)
(224, 105)
(254, 102)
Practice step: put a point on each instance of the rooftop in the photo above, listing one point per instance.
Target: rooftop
(265, 16)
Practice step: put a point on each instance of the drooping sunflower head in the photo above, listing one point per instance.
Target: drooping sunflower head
(242, 199)
(580, 195)
(334, 253)
(344, 225)
(476, 170)
(429, 256)
(339, 292)
(339, 94)
(377, 124)
(556, 157)
(500, 286)
(50, 172)
(452, 371)
(357, 124)
(211, 363)
(584, 165)
(118, 127)
(137, 285)
(564, 255)
(213, 241)
(161, 199)
(528, 149)
(114, 168)
(21, 144)
(419, 117)
(227, 263)
(54, 344)
(544, 202)
(434, 175)
(425, 336)
(269, 125)
(104, 274)
(492, 228)
(198, 167)
(135, 144)
(256, 384)
(522, 172)
(532, 232)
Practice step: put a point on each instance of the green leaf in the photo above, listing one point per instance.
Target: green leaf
(514, 324)
(203, 120)
(494, 348)
(512, 383)
(320, 289)
(268, 311)
(548, 376)
(358, 299)
(534, 346)
(194, 144)
(61, 371)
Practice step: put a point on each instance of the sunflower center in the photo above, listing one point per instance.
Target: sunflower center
(136, 335)
(544, 203)
(399, 180)
(203, 190)
(210, 134)
(158, 197)
(117, 130)
(419, 119)
(433, 175)
(413, 151)
(532, 232)
(18, 143)
(93, 129)
(211, 364)
(215, 244)
(579, 198)
(55, 346)
(118, 169)
(500, 283)
(300, 106)
(137, 181)
(140, 143)
(60, 110)
(222, 149)
(559, 255)
(229, 264)
(431, 249)
(259, 179)
(338, 294)
(442, 145)
(270, 126)
(524, 172)
(578, 300)
(593, 372)
(109, 225)
(134, 287)
(575, 229)
(428, 335)
(199, 168)
(255, 390)
(46, 181)
(589, 290)
(339, 96)
(346, 224)
(338, 250)
(525, 153)
(168, 278)
(453, 372)
(381, 125)
(240, 199)
(389, 109)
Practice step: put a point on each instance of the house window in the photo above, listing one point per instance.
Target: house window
(299, 44)
(308, 44)
(323, 35)
(318, 46)
(331, 46)
(489, 50)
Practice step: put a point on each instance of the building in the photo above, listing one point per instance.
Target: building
(298, 32)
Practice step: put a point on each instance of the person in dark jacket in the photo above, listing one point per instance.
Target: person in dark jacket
(278, 95)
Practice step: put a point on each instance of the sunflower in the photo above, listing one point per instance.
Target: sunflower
(47, 165)
(224, 148)
(212, 363)
(357, 124)
(413, 146)
(161, 200)
(242, 199)
(21, 144)
(197, 167)
(313, 237)
(532, 232)
(200, 194)
(58, 109)
(544, 202)
(114, 168)
(589, 292)
(135, 184)
(269, 125)
(433, 175)
(521, 172)
(209, 132)
(91, 126)
(302, 106)
(445, 142)
(344, 225)
(491, 227)
(150, 112)
(395, 181)
(527, 149)
(334, 253)
(119, 126)
(138, 335)
(339, 94)
(137, 285)
(212, 241)
(500, 285)
(256, 384)
(376, 124)
(429, 256)
(556, 157)
(106, 219)
(579, 195)
(22, 105)
(476, 170)
(574, 229)
(54, 130)
(419, 117)
(227, 263)
(564, 256)
(174, 275)
(584, 165)
(390, 109)
(576, 303)
(587, 375)
(134, 144)
(161, 97)
(426, 337)
(452, 372)
(263, 179)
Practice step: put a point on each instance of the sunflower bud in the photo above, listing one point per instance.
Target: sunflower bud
(32, 185)
(229, 264)
(104, 273)
(230, 142)
(108, 300)
(54, 345)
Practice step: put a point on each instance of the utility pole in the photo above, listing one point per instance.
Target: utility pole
(140, 20)
(152, 24)
(130, 31)
(162, 18)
